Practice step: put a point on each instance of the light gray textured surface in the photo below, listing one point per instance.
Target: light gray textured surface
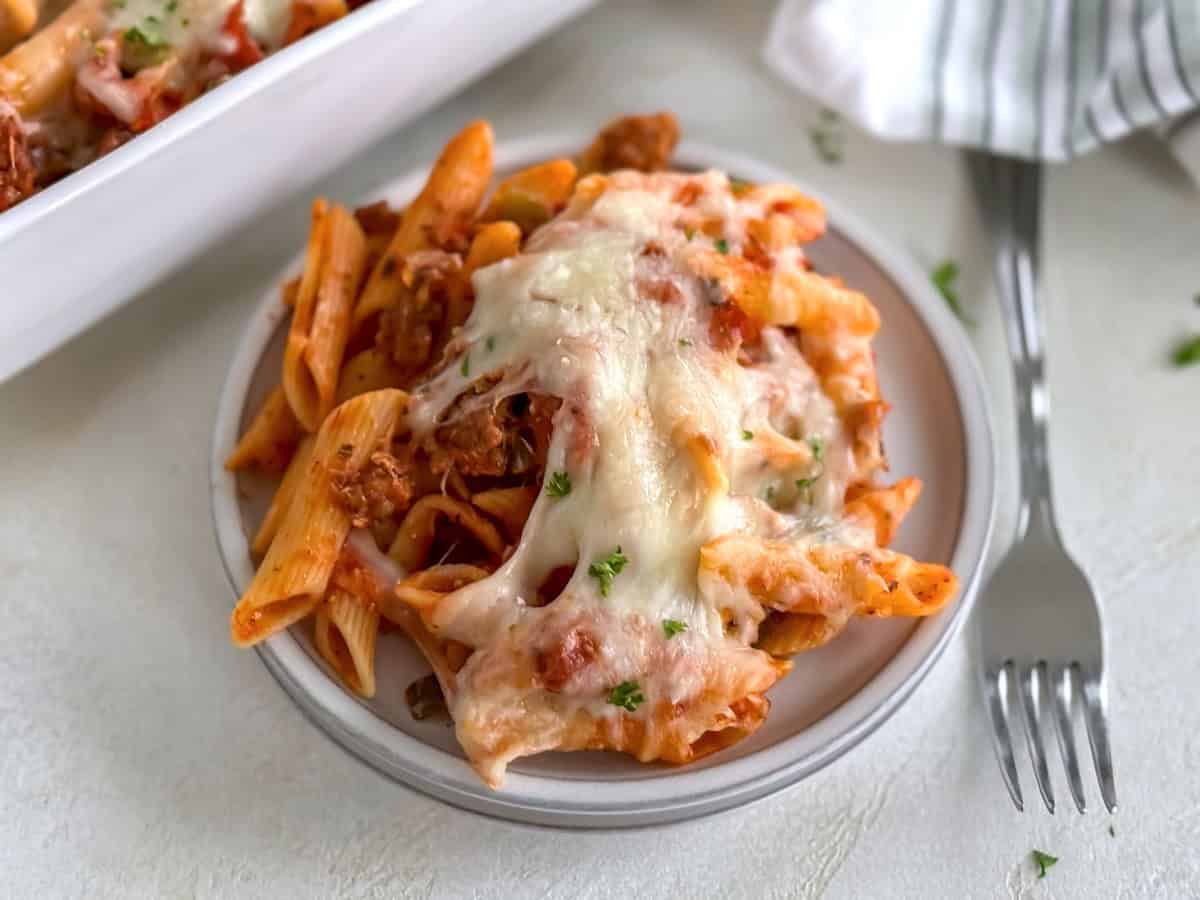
(142, 756)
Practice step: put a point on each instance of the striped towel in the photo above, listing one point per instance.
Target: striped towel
(1044, 79)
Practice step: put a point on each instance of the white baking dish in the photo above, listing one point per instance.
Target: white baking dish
(81, 248)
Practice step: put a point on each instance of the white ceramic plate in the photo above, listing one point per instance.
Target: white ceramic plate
(218, 162)
(939, 430)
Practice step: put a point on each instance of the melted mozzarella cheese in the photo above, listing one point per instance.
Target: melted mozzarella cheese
(640, 381)
(186, 24)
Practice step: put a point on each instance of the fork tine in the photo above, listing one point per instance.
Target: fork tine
(995, 689)
(1064, 707)
(1029, 687)
(1097, 729)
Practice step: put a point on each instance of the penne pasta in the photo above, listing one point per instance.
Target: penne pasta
(297, 471)
(321, 319)
(444, 208)
(411, 546)
(493, 242)
(788, 296)
(39, 71)
(509, 506)
(882, 508)
(295, 573)
(368, 370)
(532, 196)
(17, 20)
(270, 440)
(309, 15)
(344, 633)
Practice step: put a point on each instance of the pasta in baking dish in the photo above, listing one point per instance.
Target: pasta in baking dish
(602, 444)
(80, 78)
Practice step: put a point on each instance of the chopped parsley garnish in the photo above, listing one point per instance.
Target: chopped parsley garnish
(605, 570)
(738, 186)
(118, 4)
(172, 6)
(466, 365)
(769, 494)
(722, 245)
(827, 137)
(945, 279)
(559, 484)
(627, 695)
(684, 342)
(490, 343)
(1043, 861)
(672, 627)
(805, 484)
(689, 232)
(186, 22)
(747, 434)
(817, 445)
(1187, 353)
(146, 36)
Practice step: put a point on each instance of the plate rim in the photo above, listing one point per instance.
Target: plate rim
(530, 799)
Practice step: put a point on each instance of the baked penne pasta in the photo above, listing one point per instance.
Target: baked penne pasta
(532, 196)
(77, 85)
(296, 472)
(271, 438)
(438, 217)
(321, 319)
(636, 469)
(17, 20)
(344, 632)
(295, 573)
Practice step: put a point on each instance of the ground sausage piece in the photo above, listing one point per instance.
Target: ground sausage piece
(511, 437)
(644, 143)
(474, 444)
(16, 167)
(381, 488)
(566, 658)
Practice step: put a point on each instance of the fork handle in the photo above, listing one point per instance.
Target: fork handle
(1017, 278)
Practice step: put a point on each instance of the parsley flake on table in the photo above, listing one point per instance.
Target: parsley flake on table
(945, 279)
(627, 695)
(672, 627)
(558, 484)
(605, 570)
(1043, 861)
(1187, 353)
(722, 245)
(827, 137)
(747, 434)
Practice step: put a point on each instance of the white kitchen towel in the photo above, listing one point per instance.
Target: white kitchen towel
(1045, 79)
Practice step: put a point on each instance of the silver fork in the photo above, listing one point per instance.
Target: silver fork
(1038, 623)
